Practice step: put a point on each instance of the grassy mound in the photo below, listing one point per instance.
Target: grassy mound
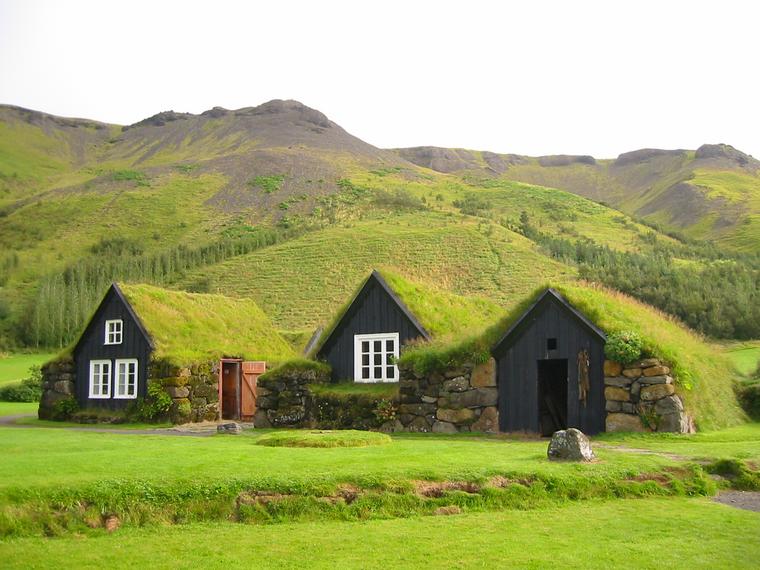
(323, 438)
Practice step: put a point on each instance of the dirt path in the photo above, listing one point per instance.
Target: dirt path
(204, 429)
(639, 451)
(746, 500)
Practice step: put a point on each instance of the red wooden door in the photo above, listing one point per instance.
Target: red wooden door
(251, 373)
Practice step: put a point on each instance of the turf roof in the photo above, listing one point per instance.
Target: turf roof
(441, 314)
(192, 327)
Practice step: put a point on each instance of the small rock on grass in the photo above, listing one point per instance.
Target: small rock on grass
(231, 428)
(570, 445)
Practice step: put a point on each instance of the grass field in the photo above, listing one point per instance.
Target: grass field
(508, 504)
(745, 355)
(649, 533)
(16, 408)
(64, 458)
(15, 367)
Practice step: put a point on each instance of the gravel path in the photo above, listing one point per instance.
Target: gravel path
(747, 500)
(203, 429)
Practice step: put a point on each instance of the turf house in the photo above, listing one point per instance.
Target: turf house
(150, 351)
(387, 313)
(549, 367)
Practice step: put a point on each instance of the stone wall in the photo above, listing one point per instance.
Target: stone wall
(457, 400)
(194, 390)
(57, 385)
(300, 398)
(641, 397)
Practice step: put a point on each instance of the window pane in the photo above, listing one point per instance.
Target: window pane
(378, 345)
(378, 372)
(365, 346)
(365, 373)
(389, 345)
(378, 359)
(389, 358)
(365, 359)
(390, 372)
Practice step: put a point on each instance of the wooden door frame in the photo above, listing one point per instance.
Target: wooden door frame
(222, 362)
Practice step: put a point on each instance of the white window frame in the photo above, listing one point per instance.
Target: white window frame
(101, 382)
(129, 394)
(358, 365)
(113, 334)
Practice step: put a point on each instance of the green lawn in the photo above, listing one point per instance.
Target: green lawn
(16, 408)
(16, 366)
(745, 355)
(739, 442)
(57, 458)
(648, 533)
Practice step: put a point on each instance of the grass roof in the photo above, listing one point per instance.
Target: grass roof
(190, 327)
(444, 315)
(705, 377)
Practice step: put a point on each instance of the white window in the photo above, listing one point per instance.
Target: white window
(113, 331)
(100, 379)
(374, 357)
(125, 379)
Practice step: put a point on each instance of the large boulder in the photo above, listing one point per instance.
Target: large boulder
(488, 421)
(484, 375)
(612, 368)
(653, 392)
(458, 384)
(570, 445)
(455, 416)
(624, 422)
(617, 394)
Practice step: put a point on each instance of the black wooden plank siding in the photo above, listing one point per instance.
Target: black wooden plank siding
(517, 369)
(374, 311)
(91, 346)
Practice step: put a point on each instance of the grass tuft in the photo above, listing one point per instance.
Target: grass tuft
(323, 438)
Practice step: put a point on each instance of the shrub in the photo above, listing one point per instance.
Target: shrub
(28, 390)
(65, 409)
(268, 184)
(155, 406)
(473, 205)
(623, 346)
(385, 410)
(397, 199)
(749, 396)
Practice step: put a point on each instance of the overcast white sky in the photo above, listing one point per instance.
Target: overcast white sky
(534, 78)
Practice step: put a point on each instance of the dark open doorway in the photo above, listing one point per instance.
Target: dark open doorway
(552, 395)
(230, 389)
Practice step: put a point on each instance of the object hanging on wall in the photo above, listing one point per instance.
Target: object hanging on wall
(584, 362)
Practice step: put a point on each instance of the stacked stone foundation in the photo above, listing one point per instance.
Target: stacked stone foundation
(642, 397)
(456, 400)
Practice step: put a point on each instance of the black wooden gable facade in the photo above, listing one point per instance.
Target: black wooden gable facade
(545, 362)
(376, 309)
(93, 347)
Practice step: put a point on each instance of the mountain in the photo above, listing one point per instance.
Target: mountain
(279, 203)
(711, 193)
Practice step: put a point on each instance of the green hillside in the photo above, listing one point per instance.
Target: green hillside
(280, 204)
(303, 282)
(711, 193)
